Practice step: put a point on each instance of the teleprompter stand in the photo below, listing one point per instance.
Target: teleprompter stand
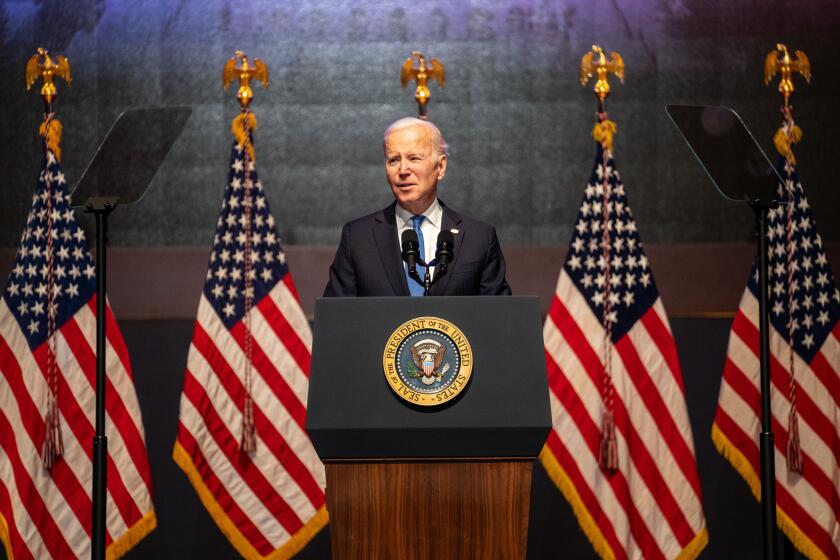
(450, 482)
(120, 172)
(741, 172)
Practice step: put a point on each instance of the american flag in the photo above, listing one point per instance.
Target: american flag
(269, 501)
(804, 333)
(610, 352)
(47, 511)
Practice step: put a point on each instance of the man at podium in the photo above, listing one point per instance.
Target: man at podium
(368, 261)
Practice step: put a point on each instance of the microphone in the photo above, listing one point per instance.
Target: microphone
(410, 249)
(445, 247)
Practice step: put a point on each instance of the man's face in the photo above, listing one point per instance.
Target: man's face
(413, 168)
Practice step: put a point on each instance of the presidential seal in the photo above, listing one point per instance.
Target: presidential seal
(427, 361)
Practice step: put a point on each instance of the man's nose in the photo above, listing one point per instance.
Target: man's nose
(404, 167)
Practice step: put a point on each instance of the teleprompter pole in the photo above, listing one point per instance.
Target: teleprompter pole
(766, 443)
(122, 155)
(100, 208)
(741, 172)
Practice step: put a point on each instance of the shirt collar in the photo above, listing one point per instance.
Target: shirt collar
(434, 214)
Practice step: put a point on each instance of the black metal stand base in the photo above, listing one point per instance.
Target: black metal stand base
(100, 207)
(100, 481)
(770, 531)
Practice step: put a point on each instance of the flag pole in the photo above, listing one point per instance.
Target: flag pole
(42, 66)
(100, 207)
(779, 61)
(242, 127)
(595, 62)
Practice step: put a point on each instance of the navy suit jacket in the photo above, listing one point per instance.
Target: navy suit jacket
(368, 260)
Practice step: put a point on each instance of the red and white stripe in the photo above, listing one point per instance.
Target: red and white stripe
(650, 507)
(276, 493)
(49, 512)
(809, 503)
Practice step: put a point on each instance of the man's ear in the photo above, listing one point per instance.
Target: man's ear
(441, 167)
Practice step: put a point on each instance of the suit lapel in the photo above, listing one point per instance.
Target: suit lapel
(385, 234)
(450, 220)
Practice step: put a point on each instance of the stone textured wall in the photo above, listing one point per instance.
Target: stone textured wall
(516, 118)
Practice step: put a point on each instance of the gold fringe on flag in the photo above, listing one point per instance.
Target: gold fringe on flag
(603, 133)
(239, 541)
(50, 131)
(732, 453)
(241, 127)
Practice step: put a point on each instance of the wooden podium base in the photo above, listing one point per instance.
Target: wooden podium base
(429, 509)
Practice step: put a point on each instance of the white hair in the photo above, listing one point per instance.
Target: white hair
(438, 143)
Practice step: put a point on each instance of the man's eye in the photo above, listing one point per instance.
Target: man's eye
(393, 161)
(415, 158)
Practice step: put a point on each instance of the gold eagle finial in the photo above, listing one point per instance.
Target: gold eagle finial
(422, 73)
(245, 73)
(595, 62)
(779, 61)
(41, 65)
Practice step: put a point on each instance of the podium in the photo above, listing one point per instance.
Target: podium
(451, 481)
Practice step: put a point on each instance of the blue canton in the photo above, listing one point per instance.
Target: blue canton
(73, 275)
(224, 286)
(631, 287)
(816, 301)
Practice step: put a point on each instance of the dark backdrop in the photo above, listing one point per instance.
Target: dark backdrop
(513, 111)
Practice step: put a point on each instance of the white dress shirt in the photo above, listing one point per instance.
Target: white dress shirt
(430, 228)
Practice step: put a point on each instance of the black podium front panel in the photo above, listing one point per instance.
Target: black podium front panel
(353, 413)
